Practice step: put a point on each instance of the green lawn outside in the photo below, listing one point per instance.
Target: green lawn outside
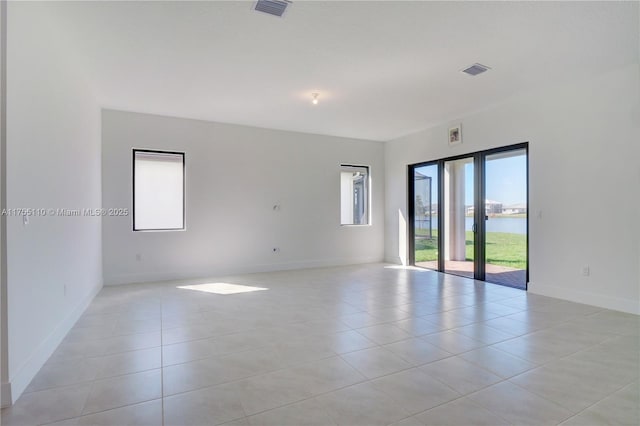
(503, 249)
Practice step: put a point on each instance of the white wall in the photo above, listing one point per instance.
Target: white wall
(234, 177)
(53, 150)
(584, 178)
(5, 389)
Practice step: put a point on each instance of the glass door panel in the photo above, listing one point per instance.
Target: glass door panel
(459, 217)
(425, 209)
(506, 218)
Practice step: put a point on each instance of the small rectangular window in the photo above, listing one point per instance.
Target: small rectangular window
(354, 195)
(158, 190)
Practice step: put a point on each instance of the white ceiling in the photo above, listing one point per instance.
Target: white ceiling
(383, 69)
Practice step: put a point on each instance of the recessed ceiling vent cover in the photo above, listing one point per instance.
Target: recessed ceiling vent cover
(475, 69)
(272, 7)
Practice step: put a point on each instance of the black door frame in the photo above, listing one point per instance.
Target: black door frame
(479, 159)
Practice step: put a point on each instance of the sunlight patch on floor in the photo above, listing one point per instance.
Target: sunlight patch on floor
(407, 267)
(222, 288)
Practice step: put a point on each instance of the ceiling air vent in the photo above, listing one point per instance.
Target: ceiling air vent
(475, 69)
(272, 7)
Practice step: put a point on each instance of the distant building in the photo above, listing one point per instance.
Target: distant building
(490, 206)
(515, 209)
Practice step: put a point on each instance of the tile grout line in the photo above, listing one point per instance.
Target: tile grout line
(560, 359)
(367, 380)
(93, 413)
(599, 401)
(372, 379)
(252, 376)
(458, 399)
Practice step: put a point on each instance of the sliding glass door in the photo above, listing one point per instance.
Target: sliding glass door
(425, 214)
(505, 244)
(468, 215)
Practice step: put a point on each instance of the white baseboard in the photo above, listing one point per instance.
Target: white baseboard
(393, 259)
(234, 270)
(30, 367)
(573, 295)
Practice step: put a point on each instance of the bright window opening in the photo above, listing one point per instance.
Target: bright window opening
(354, 195)
(158, 190)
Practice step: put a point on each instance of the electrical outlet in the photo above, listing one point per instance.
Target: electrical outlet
(586, 271)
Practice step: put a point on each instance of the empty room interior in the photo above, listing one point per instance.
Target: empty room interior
(320, 213)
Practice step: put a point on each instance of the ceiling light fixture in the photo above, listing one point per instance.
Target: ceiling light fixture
(315, 98)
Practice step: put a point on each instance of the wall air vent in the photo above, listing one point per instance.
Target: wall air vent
(272, 7)
(475, 69)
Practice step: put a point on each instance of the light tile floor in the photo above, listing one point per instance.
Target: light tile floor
(358, 345)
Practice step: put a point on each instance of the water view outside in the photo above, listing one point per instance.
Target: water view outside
(512, 225)
(506, 249)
